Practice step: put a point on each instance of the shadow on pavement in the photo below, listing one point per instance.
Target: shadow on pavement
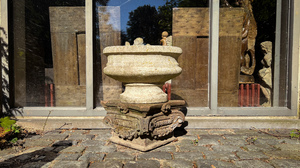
(36, 157)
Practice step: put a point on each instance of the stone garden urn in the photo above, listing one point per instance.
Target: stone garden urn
(143, 69)
(143, 118)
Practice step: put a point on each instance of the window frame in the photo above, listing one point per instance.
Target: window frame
(291, 111)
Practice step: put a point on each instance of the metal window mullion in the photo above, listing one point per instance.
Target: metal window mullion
(89, 54)
(276, 78)
(294, 71)
(213, 55)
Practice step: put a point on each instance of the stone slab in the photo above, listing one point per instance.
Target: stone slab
(143, 164)
(64, 143)
(285, 163)
(251, 155)
(226, 148)
(278, 154)
(227, 156)
(73, 149)
(92, 143)
(101, 149)
(252, 164)
(192, 148)
(80, 137)
(190, 156)
(288, 147)
(35, 165)
(258, 148)
(40, 142)
(54, 137)
(70, 164)
(68, 156)
(166, 148)
(177, 164)
(119, 156)
(92, 157)
(234, 142)
(210, 163)
(155, 156)
(107, 164)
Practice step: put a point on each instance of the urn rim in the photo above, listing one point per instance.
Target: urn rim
(143, 50)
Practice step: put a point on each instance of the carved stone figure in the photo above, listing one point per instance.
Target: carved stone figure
(265, 73)
(248, 39)
(138, 41)
(247, 58)
(164, 36)
(143, 118)
(166, 40)
(169, 41)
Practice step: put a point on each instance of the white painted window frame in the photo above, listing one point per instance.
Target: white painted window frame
(291, 111)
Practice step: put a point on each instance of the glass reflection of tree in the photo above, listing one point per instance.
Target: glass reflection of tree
(143, 22)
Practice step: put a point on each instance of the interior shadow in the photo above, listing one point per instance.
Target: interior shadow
(4, 71)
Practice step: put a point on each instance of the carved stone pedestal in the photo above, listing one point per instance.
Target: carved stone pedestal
(143, 126)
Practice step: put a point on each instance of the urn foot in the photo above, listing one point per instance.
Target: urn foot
(143, 93)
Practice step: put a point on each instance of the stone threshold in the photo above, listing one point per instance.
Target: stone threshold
(52, 123)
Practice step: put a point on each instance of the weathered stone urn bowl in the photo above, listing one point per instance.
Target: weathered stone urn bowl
(143, 69)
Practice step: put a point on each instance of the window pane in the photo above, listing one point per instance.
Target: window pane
(119, 21)
(49, 52)
(247, 75)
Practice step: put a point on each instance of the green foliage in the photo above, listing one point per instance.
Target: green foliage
(295, 134)
(165, 15)
(251, 140)
(15, 129)
(11, 130)
(195, 142)
(7, 123)
(14, 140)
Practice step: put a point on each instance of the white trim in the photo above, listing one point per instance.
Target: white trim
(277, 55)
(89, 54)
(295, 58)
(213, 55)
(213, 110)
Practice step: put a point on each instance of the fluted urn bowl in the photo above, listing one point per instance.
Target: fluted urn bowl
(143, 69)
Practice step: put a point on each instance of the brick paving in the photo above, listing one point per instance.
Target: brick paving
(193, 148)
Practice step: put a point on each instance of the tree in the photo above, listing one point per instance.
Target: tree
(143, 22)
(265, 16)
(165, 15)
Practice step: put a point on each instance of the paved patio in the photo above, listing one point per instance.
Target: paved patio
(193, 148)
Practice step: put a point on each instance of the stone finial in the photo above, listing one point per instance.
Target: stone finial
(138, 41)
(164, 36)
(127, 43)
(169, 41)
